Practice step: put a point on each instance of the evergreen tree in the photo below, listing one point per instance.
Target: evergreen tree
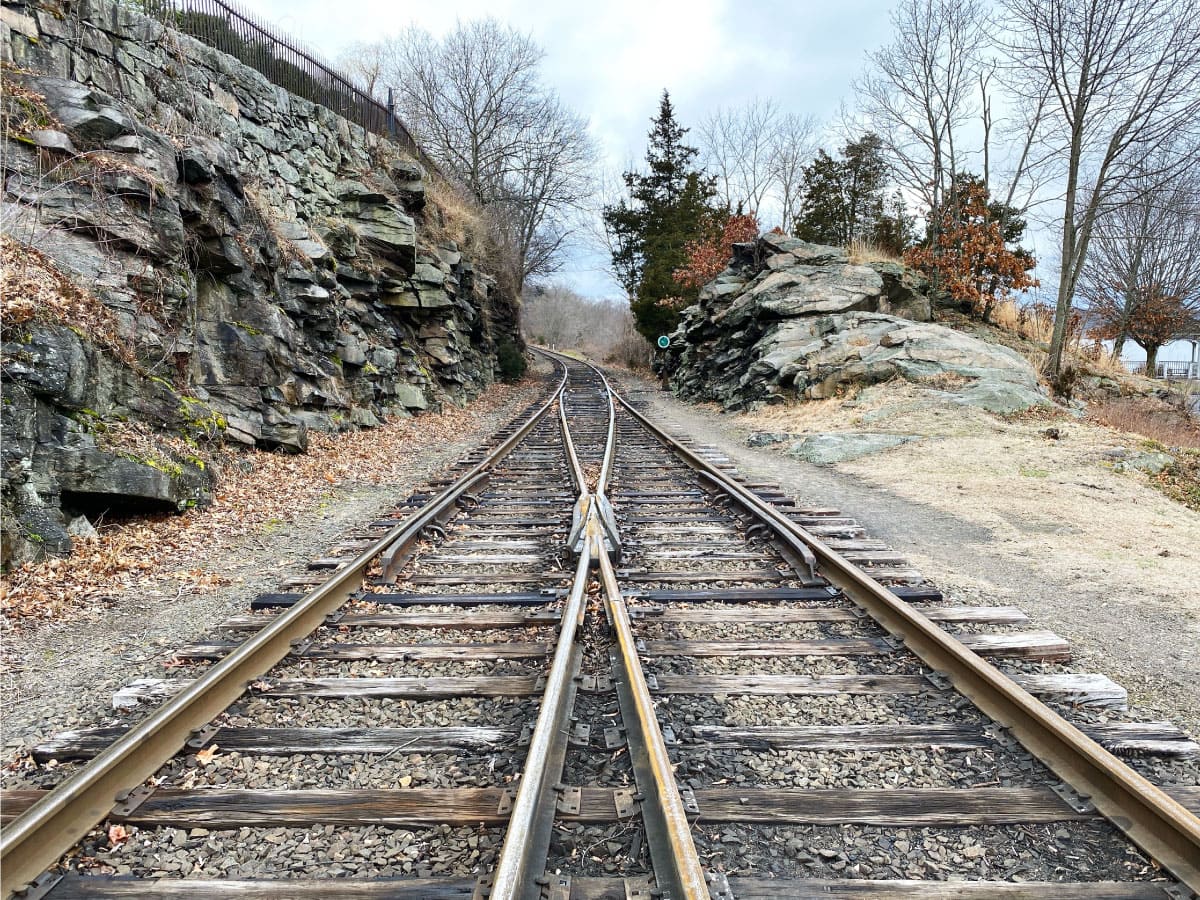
(668, 206)
(843, 199)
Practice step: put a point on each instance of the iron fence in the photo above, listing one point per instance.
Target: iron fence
(1170, 369)
(230, 28)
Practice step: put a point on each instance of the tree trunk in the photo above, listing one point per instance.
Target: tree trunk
(1151, 360)
(1119, 345)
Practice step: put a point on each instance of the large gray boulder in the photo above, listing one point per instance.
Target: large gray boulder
(791, 319)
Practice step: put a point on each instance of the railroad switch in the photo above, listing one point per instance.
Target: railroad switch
(587, 506)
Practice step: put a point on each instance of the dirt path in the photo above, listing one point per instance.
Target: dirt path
(994, 511)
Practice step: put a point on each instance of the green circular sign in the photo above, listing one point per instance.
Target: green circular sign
(664, 342)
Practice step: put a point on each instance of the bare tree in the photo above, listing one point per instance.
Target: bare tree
(559, 318)
(737, 143)
(473, 101)
(1141, 277)
(1124, 80)
(365, 64)
(541, 200)
(793, 145)
(919, 93)
(757, 155)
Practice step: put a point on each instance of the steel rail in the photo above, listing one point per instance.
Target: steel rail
(677, 866)
(527, 839)
(1146, 814)
(577, 474)
(610, 442)
(38, 838)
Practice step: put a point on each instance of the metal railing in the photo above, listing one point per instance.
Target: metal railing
(1170, 369)
(226, 26)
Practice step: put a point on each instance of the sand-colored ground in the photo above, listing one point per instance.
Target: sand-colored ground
(1057, 506)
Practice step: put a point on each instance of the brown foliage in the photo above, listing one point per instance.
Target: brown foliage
(970, 258)
(708, 256)
(1155, 319)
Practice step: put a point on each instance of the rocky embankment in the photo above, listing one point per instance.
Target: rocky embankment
(791, 320)
(243, 266)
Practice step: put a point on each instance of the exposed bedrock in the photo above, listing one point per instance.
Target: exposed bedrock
(268, 268)
(789, 319)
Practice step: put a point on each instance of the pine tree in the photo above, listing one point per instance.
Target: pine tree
(842, 199)
(668, 206)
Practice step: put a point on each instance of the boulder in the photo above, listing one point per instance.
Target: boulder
(88, 115)
(835, 447)
(793, 319)
(411, 397)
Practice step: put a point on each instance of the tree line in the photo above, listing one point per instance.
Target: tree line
(973, 121)
(976, 120)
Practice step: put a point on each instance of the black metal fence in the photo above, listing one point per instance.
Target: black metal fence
(228, 27)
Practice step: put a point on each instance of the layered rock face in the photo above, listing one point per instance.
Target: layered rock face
(271, 268)
(789, 319)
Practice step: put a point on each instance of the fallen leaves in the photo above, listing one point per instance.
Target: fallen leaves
(35, 288)
(207, 755)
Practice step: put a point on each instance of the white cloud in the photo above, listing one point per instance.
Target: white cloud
(611, 61)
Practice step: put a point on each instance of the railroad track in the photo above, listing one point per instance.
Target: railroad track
(594, 662)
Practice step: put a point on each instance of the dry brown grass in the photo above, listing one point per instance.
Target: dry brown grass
(450, 215)
(1149, 418)
(863, 251)
(798, 417)
(1033, 323)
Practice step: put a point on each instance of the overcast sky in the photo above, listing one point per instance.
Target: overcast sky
(610, 61)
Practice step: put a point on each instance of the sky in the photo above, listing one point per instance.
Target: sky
(610, 61)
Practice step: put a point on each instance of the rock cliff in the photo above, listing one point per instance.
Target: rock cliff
(789, 319)
(249, 266)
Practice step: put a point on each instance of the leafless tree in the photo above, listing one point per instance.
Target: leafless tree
(1124, 80)
(1146, 250)
(365, 64)
(919, 93)
(793, 145)
(557, 317)
(737, 143)
(475, 103)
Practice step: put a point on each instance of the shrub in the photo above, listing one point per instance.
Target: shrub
(511, 361)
